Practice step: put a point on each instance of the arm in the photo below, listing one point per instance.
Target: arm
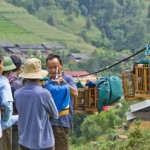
(73, 91)
(71, 84)
(7, 109)
(6, 106)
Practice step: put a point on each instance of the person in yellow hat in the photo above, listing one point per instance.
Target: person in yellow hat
(35, 104)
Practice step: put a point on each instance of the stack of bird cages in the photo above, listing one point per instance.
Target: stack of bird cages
(86, 101)
(128, 81)
(142, 81)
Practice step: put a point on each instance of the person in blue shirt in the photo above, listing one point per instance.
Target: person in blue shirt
(1, 70)
(36, 108)
(61, 126)
(6, 103)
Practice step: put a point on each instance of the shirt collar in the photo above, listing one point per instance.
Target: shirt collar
(31, 84)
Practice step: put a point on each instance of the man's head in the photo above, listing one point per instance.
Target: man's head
(53, 61)
(1, 64)
(17, 61)
(8, 66)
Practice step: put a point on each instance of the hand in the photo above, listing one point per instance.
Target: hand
(60, 80)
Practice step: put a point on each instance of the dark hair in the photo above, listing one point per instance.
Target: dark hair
(52, 56)
(1, 58)
(17, 62)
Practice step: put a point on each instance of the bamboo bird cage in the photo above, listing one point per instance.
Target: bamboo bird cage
(137, 86)
(87, 99)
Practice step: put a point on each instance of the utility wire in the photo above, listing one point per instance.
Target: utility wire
(108, 67)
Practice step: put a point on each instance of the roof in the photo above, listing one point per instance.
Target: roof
(6, 44)
(80, 55)
(14, 50)
(130, 116)
(76, 73)
(140, 105)
(35, 49)
(30, 46)
(52, 46)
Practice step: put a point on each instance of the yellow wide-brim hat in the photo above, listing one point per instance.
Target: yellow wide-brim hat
(32, 69)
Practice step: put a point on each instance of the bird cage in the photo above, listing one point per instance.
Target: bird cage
(79, 102)
(128, 82)
(91, 99)
(86, 101)
(142, 81)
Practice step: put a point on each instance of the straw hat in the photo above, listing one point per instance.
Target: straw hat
(32, 69)
(8, 64)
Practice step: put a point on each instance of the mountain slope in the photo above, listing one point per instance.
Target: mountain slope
(18, 26)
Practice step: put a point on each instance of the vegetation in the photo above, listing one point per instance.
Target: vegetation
(111, 24)
(104, 28)
(100, 132)
(18, 26)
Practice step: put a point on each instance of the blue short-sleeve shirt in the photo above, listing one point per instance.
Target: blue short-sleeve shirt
(65, 120)
(6, 100)
(34, 105)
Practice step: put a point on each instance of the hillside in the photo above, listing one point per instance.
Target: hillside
(18, 26)
(112, 25)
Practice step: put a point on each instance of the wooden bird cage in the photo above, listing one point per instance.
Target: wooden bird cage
(129, 83)
(87, 100)
(142, 81)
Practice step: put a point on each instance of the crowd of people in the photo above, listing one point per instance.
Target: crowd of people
(35, 116)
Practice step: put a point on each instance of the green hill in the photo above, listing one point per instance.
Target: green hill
(18, 26)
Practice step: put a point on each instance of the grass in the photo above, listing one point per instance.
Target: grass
(18, 26)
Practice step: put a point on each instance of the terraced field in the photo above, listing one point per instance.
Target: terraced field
(18, 26)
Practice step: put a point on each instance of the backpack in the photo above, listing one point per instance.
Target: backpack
(109, 90)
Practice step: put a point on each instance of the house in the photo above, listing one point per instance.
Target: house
(139, 111)
(6, 44)
(13, 51)
(76, 73)
(33, 48)
(24, 50)
(53, 46)
(81, 76)
(77, 57)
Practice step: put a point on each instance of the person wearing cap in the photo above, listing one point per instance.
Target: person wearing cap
(15, 84)
(35, 105)
(7, 108)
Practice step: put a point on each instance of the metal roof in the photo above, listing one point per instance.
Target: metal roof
(30, 46)
(76, 73)
(14, 50)
(140, 105)
(130, 116)
(6, 44)
(79, 55)
(28, 49)
(52, 46)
